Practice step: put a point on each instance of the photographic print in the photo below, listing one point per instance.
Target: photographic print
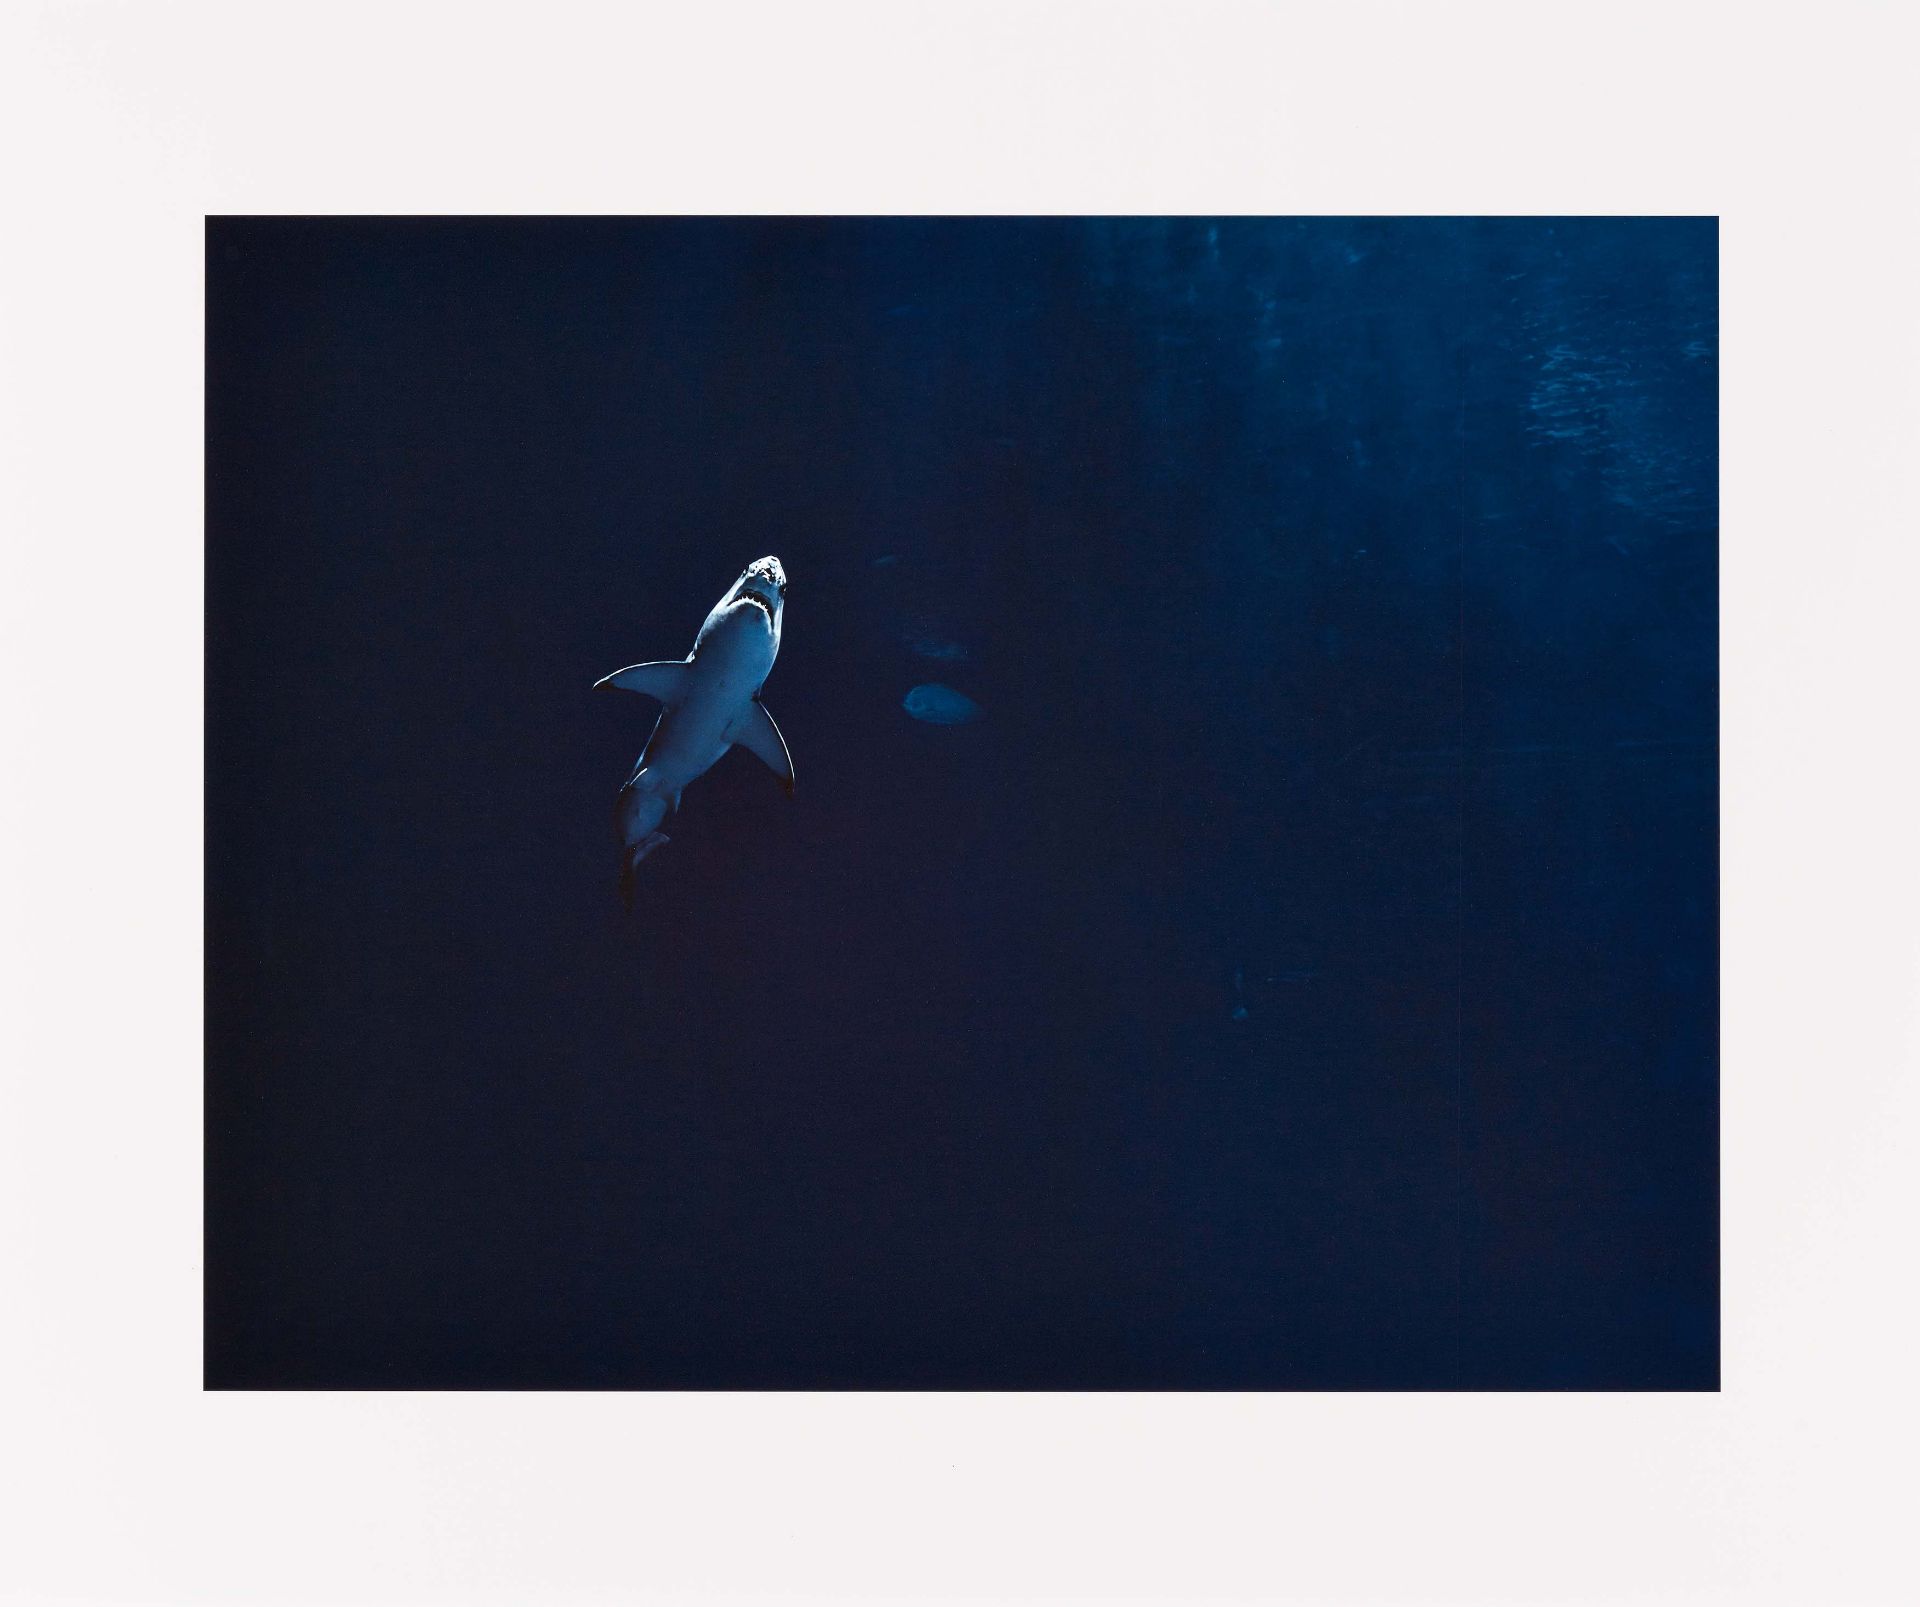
(943, 803)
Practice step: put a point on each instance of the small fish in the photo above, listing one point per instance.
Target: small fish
(940, 705)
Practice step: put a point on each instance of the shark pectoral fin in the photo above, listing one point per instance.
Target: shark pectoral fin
(756, 732)
(664, 680)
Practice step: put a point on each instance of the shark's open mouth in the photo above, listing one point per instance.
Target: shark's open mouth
(758, 602)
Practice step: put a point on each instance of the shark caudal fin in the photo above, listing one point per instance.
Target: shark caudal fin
(630, 858)
(637, 815)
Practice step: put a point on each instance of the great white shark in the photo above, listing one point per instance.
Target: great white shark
(710, 702)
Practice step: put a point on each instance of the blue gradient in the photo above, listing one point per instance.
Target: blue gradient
(1303, 976)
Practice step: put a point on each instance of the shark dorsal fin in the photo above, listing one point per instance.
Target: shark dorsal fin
(664, 679)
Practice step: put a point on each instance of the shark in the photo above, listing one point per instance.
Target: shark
(709, 703)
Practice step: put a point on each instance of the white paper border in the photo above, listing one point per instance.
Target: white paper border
(125, 124)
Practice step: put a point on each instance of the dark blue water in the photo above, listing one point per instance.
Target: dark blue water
(1299, 971)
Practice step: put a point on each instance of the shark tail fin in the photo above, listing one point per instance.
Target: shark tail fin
(630, 858)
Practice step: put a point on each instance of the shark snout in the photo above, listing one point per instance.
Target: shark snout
(768, 573)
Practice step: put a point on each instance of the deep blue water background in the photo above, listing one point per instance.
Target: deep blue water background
(1301, 974)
